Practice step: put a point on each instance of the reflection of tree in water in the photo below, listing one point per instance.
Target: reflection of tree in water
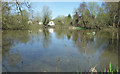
(9, 38)
(60, 33)
(90, 43)
(6, 43)
(69, 34)
(75, 36)
(105, 43)
(81, 39)
(111, 51)
(111, 38)
(13, 58)
(46, 38)
(100, 47)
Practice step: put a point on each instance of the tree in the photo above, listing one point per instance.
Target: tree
(37, 17)
(93, 7)
(17, 21)
(87, 17)
(25, 17)
(68, 20)
(63, 20)
(5, 13)
(46, 15)
(14, 11)
(102, 18)
(81, 11)
(75, 19)
(59, 20)
(112, 9)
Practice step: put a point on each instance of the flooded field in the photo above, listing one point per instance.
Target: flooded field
(58, 50)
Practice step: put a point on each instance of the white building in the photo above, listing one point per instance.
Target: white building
(51, 23)
(29, 22)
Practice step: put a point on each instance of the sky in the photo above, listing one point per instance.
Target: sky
(57, 8)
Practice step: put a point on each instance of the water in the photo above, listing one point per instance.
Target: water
(58, 50)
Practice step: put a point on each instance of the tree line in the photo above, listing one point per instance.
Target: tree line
(92, 15)
(15, 15)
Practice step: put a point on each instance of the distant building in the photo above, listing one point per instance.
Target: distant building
(51, 23)
(29, 22)
(40, 23)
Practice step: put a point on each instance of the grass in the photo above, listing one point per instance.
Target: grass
(112, 69)
(81, 28)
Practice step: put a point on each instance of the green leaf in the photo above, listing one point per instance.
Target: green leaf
(117, 68)
(110, 66)
(104, 70)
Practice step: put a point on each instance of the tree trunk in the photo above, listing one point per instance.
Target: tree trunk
(114, 21)
(113, 24)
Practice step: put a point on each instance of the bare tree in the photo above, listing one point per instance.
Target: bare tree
(46, 15)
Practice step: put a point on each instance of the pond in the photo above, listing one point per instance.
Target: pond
(58, 50)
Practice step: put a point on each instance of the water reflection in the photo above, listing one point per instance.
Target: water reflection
(11, 38)
(46, 38)
(40, 50)
(51, 30)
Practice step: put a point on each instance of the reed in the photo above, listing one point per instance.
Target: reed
(112, 69)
